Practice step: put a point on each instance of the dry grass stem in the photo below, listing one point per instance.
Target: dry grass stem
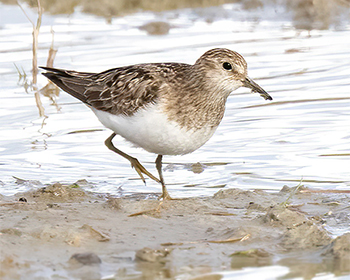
(52, 52)
(36, 30)
(231, 240)
(325, 191)
(146, 212)
(292, 193)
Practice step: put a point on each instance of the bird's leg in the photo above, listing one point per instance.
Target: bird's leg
(134, 162)
(165, 195)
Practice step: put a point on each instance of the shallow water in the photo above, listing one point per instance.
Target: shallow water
(302, 135)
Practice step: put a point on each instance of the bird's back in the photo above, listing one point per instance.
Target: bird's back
(122, 90)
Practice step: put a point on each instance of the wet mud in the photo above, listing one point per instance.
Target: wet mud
(63, 232)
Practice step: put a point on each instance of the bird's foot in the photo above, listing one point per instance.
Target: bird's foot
(165, 195)
(140, 169)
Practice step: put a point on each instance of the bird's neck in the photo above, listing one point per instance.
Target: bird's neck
(197, 104)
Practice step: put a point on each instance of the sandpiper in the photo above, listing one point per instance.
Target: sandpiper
(164, 108)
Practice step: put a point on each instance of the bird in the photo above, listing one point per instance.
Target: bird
(165, 108)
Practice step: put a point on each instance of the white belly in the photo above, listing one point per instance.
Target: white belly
(151, 130)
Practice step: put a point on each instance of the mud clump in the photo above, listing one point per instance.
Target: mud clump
(338, 251)
(340, 247)
(184, 238)
(57, 193)
(305, 236)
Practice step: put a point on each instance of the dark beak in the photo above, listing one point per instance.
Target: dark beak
(249, 83)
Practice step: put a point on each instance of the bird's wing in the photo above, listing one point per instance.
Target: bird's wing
(121, 90)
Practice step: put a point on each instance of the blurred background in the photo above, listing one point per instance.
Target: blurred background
(298, 51)
(304, 14)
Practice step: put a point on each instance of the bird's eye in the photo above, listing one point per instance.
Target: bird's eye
(227, 66)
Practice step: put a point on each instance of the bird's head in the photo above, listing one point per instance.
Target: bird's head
(226, 71)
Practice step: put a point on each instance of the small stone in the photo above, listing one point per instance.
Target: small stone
(156, 28)
(197, 168)
(85, 259)
(152, 255)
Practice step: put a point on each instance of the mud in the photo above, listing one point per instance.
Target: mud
(63, 232)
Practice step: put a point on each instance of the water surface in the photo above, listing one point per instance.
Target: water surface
(302, 135)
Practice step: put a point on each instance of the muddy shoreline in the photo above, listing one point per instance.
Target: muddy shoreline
(64, 232)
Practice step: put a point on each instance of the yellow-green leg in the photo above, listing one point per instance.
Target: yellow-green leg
(134, 162)
(165, 195)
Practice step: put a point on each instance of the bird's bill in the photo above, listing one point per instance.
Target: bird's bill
(249, 83)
